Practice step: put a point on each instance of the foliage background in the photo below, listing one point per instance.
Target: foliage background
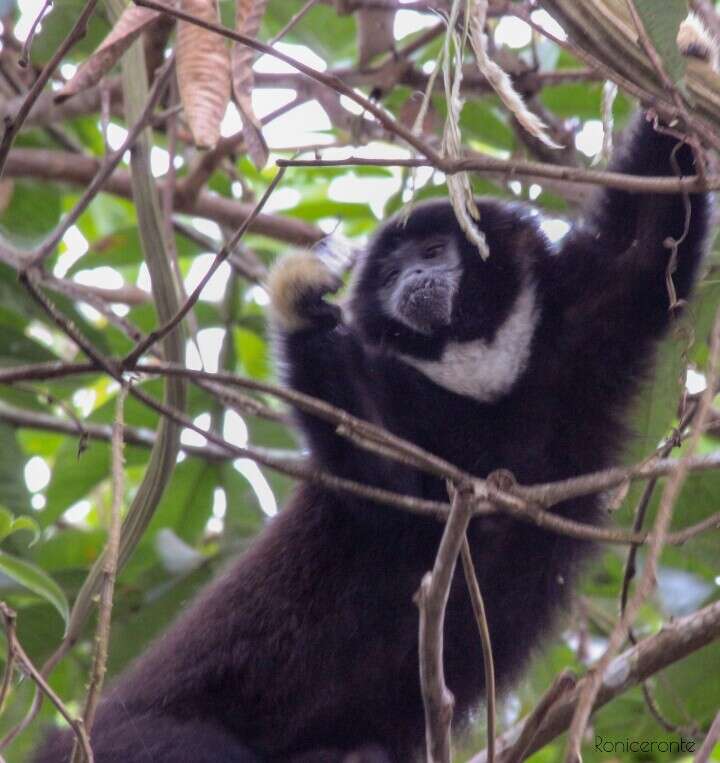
(213, 506)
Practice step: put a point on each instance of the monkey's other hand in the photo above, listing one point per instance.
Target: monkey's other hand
(696, 41)
(337, 253)
(297, 285)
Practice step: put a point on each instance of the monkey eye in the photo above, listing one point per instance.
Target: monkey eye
(433, 250)
(390, 276)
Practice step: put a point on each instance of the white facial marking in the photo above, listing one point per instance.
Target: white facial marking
(487, 370)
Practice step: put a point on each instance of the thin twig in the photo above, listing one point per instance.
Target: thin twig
(563, 683)
(110, 568)
(145, 438)
(385, 119)
(432, 598)
(24, 58)
(521, 168)
(708, 745)
(478, 606)
(28, 667)
(586, 700)
(106, 168)
(524, 502)
(156, 335)
(292, 21)
(13, 125)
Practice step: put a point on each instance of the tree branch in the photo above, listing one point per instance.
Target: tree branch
(677, 639)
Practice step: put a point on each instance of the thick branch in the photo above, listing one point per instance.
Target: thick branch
(80, 170)
(674, 642)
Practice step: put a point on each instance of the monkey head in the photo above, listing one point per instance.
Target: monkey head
(422, 284)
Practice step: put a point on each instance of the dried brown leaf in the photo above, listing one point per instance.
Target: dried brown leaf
(132, 22)
(203, 72)
(248, 16)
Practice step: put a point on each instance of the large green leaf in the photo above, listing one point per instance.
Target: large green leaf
(56, 27)
(661, 22)
(10, 524)
(34, 579)
(34, 210)
(16, 348)
(74, 477)
(13, 492)
(187, 501)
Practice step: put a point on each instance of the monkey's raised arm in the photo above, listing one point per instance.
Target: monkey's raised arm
(637, 254)
(617, 259)
(608, 291)
(322, 357)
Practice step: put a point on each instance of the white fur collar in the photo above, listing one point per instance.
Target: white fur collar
(487, 370)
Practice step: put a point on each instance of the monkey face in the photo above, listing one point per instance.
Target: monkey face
(419, 283)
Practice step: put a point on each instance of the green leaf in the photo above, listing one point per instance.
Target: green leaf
(187, 501)
(13, 491)
(57, 26)
(14, 299)
(655, 412)
(10, 524)
(34, 210)
(17, 348)
(73, 477)
(661, 22)
(244, 518)
(253, 353)
(480, 121)
(34, 579)
(329, 34)
(121, 250)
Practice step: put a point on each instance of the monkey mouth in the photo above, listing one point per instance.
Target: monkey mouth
(426, 307)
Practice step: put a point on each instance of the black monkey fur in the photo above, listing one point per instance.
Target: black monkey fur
(306, 650)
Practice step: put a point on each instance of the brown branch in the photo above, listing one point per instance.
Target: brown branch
(27, 279)
(46, 111)
(13, 124)
(563, 683)
(646, 584)
(523, 502)
(708, 745)
(630, 563)
(110, 569)
(62, 166)
(677, 639)
(520, 168)
(329, 80)
(157, 334)
(20, 656)
(432, 598)
(145, 438)
(478, 606)
(106, 168)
